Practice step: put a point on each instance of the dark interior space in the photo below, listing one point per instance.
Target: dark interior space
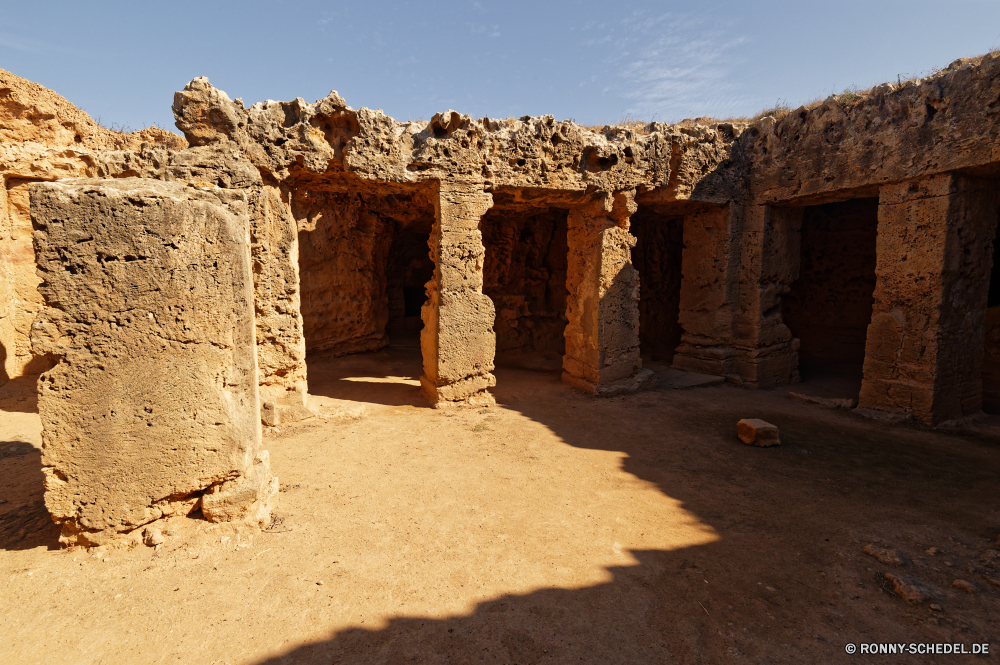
(991, 359)
(363, 263)
(524, 274)
(657, 258)
(408, 269)
(829, 306)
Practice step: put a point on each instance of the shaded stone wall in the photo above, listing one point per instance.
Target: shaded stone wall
(343, 250)
(991, 362)
(658, 256)
(525, 277)
(925, 342)
(710, 290)
(766, 352)
(152, 408)
(829, 306)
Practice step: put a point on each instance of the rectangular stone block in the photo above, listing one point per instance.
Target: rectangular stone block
(152, 408)
(757, 432)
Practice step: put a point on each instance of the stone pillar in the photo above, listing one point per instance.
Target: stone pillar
(152, 408)
(767, 355)
(710, 290)
(281, 346)
(457, 341)
(924, 352)
(602, 306)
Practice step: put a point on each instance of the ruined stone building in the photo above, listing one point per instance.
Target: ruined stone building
(850, 233)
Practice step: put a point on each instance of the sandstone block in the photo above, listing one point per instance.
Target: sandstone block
(149, 312)
(756, 432)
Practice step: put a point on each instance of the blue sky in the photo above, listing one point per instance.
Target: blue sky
(595, 62)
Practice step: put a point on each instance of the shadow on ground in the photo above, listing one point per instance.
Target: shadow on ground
(785, 582)
(24, 522)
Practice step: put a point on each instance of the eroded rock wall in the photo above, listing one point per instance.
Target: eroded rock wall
(898, 132)
(925, 341)
(344, 249)
(525, 277)
(152, 406)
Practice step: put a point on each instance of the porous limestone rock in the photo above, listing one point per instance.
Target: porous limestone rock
(152, 406)
(925, 347)
(897, 132)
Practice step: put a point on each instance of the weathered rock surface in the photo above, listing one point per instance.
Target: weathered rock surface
(940, 123)
(153, 400)
(911, 589)
(770, 224)
(883, 554)
(457, 340)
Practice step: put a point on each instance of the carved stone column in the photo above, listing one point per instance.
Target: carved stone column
(458, 341)
(602, 307)
(767, 354)
(710, 290)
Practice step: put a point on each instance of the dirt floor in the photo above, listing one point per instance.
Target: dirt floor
(554, 527)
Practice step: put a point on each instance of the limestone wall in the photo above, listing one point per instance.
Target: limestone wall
(360, 188)
(525, 277)
(925, 342)
(152, 406)
(900, 131)
(343, 252)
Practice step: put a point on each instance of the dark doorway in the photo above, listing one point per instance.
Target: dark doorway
(408, 270)
(991, 359)
(657, 258)
(829, 307)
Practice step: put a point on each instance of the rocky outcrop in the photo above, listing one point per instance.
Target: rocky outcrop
(898, 131)
(44, 137)
(287, 138)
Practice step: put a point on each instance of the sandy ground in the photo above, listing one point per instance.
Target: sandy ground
(554, 527)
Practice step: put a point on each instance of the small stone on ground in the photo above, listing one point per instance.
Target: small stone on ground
(757, 432)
